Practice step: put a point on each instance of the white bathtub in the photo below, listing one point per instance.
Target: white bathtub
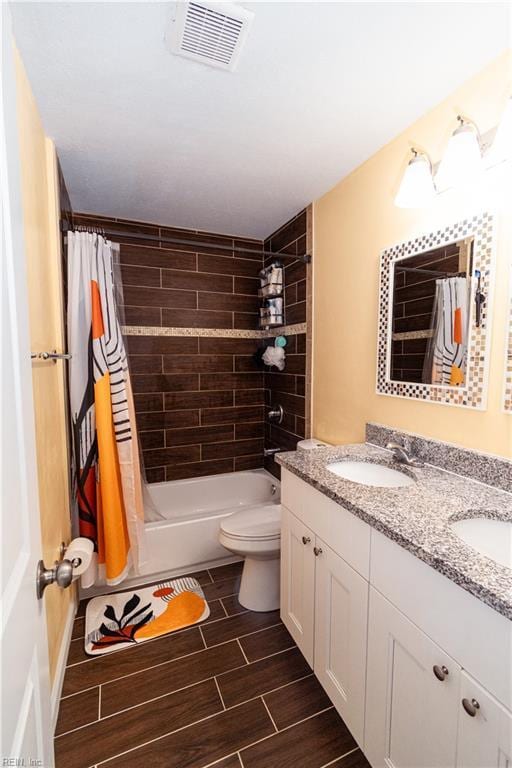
(183, 519)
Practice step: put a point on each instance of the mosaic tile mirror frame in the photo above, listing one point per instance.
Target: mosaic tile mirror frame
(473, 392)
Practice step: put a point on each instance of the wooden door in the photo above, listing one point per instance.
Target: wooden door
(26, 732)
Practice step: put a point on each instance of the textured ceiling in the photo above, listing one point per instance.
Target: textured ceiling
(319, 87)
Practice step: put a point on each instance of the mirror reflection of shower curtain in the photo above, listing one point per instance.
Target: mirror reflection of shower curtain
(106, 458)
(446, 356)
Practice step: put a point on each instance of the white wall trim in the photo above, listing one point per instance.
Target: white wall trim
(60, 670)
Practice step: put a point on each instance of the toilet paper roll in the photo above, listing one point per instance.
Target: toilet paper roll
(82, 549)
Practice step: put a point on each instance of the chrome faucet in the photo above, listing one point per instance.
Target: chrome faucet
(402, 454)
(271, 451)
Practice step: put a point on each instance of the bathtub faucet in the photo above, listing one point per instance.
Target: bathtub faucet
(271, 451)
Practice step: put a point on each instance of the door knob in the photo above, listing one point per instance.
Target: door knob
(61, 574)
(440, 672)
(471, 707)
(306, 540)
(317, 551)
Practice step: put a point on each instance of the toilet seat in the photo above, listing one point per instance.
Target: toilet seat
(260, 523)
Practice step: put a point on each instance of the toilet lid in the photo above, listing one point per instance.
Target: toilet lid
(261, 522)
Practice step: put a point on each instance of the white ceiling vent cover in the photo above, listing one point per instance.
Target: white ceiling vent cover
(210, 32)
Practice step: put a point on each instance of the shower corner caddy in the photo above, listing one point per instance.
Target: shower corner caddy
(271, 291)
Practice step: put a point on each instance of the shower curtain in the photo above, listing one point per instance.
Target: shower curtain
(106, 457)
(445, 361)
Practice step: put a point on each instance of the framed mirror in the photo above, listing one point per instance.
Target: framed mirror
(434, 306)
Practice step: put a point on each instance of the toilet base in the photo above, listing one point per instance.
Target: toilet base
(259, 589)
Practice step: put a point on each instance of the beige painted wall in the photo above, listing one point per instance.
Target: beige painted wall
(353, 223)
(42, 244)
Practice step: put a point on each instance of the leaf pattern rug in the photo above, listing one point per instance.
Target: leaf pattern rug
(123, 619)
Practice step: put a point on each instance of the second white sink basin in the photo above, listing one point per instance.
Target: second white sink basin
(492, 538)
(365, 473)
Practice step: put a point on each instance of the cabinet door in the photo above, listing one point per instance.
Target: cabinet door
(485, 729)
(341, 613)
(412, 694)
(298, 582)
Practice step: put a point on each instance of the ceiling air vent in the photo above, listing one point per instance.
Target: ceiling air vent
(210, 32)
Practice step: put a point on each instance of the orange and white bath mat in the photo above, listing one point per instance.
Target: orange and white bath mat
(123, 619)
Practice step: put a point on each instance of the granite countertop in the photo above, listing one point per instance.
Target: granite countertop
(418, 517)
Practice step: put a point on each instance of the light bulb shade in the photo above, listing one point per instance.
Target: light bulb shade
(501, 148)
(462, 160)
(417, 186)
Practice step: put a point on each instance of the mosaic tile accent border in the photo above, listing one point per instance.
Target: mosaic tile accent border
(474, 394)
(507, 393)
(405, 335)
(484, 467)
(226, 333)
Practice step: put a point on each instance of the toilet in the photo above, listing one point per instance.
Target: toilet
(255, 534)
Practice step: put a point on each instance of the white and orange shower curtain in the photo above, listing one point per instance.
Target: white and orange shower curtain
(106, 457)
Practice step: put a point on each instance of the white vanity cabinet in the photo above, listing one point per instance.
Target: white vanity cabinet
(324, 599)
(419, 669)
(422, 709)
(324, 605)
(412, 694)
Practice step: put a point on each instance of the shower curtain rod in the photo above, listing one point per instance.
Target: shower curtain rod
(430, 271)
(304, 257)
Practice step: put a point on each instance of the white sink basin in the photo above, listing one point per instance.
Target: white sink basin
(492, 538)
(365, 473)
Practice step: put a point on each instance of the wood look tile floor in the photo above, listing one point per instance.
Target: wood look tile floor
(232, 692)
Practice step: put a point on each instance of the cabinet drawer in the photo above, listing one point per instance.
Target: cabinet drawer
(478, 637)
(346, 534)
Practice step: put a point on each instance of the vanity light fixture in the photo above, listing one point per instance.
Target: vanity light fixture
(417, 187)
(462, 160)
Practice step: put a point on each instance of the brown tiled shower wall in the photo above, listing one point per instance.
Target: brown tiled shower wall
(185, 287)
(291, 387)
(200, 401)
(199, 404)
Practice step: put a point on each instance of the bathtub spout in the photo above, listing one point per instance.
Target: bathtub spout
(271, 451)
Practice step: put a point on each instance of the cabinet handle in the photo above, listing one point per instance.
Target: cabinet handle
(440, 672)
(470, 707)
(306, 540)
(317, 551)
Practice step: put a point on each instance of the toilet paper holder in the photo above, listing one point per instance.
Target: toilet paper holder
(61, 573)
